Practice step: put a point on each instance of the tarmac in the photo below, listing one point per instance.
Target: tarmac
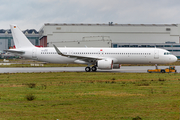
(123, 69)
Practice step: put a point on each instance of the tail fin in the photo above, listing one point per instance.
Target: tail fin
(20, 40)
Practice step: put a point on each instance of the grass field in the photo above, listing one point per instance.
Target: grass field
(81, 96)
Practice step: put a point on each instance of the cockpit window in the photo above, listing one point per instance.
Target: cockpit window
(167, 53)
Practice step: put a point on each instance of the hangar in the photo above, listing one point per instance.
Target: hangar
(165, 36)
(6, 40)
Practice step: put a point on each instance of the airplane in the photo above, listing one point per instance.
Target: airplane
(101, 58)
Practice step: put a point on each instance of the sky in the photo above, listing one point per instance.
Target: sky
(33, 14)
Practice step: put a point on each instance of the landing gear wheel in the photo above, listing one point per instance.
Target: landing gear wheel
(87, 69)
(94, 68)
(163, 71)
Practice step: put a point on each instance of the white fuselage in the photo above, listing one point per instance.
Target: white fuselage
(118, 55)
(103, 58)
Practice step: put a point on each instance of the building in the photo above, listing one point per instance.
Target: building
(6, 40)
(165, 36)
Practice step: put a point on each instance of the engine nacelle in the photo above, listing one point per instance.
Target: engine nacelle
(105, 64)
(116, 66)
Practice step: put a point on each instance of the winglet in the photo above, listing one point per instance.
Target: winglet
(58, 51)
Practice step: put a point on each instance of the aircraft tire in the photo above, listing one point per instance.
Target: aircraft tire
(94, 68)
(87, 69)
(163, 71)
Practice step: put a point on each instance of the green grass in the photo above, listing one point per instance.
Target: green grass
(80, 95)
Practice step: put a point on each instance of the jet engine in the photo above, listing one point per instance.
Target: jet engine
(105, 64)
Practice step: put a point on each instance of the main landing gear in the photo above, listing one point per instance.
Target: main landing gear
(88, 69)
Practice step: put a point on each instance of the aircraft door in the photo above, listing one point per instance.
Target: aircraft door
(71, 52)
(101, 53)
(156, 54)
(34, 56)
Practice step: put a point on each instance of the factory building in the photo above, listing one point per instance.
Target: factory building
(6, 40)
(165, 36)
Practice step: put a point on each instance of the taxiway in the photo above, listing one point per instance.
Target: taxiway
(123, 69)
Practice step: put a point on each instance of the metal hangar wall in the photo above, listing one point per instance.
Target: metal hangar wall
(112, 35)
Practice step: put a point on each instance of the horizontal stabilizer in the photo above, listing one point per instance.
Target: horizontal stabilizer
(14, 51)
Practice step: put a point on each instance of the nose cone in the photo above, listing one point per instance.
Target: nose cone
(173, 58)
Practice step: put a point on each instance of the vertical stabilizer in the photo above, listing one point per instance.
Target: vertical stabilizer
(20, 40)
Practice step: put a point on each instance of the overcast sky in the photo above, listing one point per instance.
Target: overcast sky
(32, 14)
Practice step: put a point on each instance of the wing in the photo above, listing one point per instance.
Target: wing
(15, 51)
(82, 58)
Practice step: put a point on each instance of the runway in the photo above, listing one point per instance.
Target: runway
(123, 69)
